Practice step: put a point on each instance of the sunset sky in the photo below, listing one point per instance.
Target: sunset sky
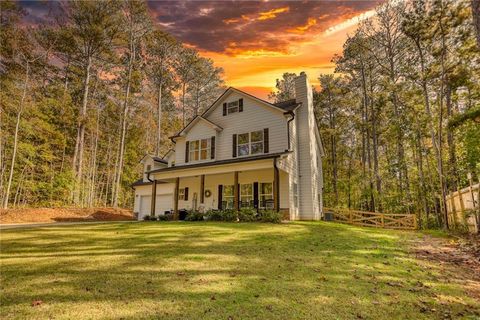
(255, 42)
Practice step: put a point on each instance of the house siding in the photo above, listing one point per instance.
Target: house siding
(255, 116)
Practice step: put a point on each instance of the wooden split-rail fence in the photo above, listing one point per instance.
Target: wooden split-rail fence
(373, 219)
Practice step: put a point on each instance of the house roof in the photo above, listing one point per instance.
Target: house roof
(155, 158)
(288, 105)
(168, 153)
(232, 89)
(193, 122)
(140, 182)
(226, 161)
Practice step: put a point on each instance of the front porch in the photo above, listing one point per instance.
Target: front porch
(256, 184)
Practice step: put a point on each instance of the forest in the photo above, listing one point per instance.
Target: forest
(86, 94)
(400, 118)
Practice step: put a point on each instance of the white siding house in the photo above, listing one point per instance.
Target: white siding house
(241, 152)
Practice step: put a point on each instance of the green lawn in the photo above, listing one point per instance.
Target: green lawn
(175, 270)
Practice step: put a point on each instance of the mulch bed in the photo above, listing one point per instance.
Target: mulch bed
(38, 215)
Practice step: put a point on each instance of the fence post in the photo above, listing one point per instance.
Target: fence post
(350, 219)
(383, 220)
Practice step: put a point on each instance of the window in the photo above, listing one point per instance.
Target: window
(250, 143)
(181, 194)
(243, 144)
(149, 167)
(228, 196)
(204, 149)
(265, 195)
(199, 149)
(194, 150)
(232, 107)
(246, 195)
(256, 140)
(295, 194)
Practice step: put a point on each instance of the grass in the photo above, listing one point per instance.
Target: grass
(174, 270)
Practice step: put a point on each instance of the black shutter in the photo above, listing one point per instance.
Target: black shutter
(187, 144)
(220, 196)
(240, 105)
(212, 148)
(224, 108)
(186, 194)
(234, 146)
(265, 140)
(255, 195)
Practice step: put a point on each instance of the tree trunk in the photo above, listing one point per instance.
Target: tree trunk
(15, 139)
(476, 18)
(159, 120)
(79, 146)
(124, 123)
(183, 103)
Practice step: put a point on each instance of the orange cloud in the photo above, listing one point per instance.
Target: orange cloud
(233, 20)
(301, 29)
(271, 14)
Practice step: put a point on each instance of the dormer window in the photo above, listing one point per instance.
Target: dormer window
(199, 150)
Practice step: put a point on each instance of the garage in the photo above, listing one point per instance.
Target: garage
(164, 202)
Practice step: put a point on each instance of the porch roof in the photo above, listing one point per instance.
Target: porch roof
(220, 162)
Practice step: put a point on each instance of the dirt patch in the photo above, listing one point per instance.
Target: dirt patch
(458, 257)
(36, 215)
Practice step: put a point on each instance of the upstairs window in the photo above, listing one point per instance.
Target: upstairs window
(194, 150)
(199, 149)
(149, 167)
(204, 149)
(250, 143)
(232, 107)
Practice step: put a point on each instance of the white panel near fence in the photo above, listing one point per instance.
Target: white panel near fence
(461, 206)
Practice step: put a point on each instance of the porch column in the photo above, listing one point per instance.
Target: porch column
(154, 198)
(276, 188)
(175, 199)
(202, 188)
(235, 191)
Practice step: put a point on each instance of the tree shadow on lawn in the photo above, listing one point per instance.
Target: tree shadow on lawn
(216, 270)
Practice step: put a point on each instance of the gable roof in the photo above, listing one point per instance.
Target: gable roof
(155, 158)
(288, 105)
(193, 122)
(232, 89)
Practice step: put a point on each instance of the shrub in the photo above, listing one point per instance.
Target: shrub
(270, 216)
(229, 215)
(194, 216)
(153, 218)
(221, 215)
(146, 218)
(213, 215)
(247, 215)
(163, 218)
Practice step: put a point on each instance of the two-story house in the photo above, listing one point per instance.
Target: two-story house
(241, 152)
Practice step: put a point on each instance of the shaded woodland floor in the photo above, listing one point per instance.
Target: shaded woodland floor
(38, 215)
(179, 270)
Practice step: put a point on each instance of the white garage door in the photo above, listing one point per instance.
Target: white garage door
(164, 202)
(145, 205)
